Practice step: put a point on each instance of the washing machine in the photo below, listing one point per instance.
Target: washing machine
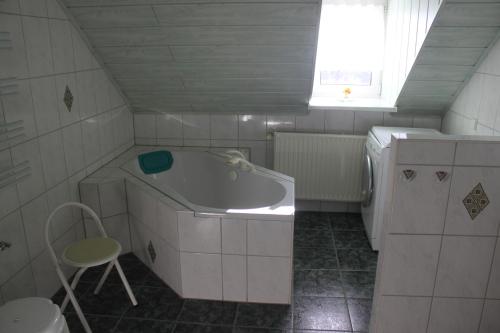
(376, 176)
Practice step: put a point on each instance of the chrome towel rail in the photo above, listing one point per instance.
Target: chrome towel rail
(15, 174)
(5, 40)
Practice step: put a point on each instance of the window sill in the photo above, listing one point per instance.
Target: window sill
(366, 104)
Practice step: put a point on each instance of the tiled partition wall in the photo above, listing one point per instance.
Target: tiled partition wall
(439, 265)
(46, 56)
(476, 111)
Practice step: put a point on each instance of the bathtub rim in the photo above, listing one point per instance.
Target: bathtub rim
(202, 211)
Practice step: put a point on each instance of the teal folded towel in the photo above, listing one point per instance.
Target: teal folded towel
(156, 161)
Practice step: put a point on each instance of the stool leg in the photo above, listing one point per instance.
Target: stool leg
(103, 278)
(72, 297)
(76, 279)
(125, 282)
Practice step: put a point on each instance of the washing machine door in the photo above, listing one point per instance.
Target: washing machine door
(367, 180)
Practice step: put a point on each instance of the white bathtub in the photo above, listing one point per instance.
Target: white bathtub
(201, 182)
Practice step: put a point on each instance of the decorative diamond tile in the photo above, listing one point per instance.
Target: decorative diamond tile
(441, 175)
(68, 98)
(409, 174)
(152, 252)
(476, 201)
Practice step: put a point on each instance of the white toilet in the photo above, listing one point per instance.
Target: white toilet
(32, 315)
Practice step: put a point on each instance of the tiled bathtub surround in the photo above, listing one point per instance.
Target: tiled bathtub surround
(219, 258)
(439, 262)
(62, 147)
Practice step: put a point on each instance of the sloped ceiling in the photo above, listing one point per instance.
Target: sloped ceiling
(458, 40)
(206, 56)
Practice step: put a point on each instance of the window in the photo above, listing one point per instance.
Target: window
(350, 52)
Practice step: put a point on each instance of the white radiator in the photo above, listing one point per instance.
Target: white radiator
(325, 166)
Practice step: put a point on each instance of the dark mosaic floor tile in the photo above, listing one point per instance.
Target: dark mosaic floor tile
(208, 312)
(357, 259)
(358, 284)
(153, 280)
(196, 328)
(359, 310)
(321, 313)
(112, 300)
(312, 238)
(258, 330)
(127, 325)
(101, 324)
(129, 257)
(326, 283)
(312, 220)
(135, 272)
(346, 221)
(93, 274)
(155, 303)
(351, 240)
(264, 315)
(81, 289)
(315, 258)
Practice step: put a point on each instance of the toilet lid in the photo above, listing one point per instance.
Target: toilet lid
(29, 315)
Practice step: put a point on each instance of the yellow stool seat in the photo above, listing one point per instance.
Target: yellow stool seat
(91, 252)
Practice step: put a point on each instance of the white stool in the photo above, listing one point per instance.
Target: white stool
(32, 315)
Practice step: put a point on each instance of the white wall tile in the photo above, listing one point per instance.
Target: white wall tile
(8, 194)
(393, 119)
(90, 197)
(269, 279)
(117, 228)
(490, 321)
(102, 97)
(35, 215)
(199, 234)
(83, 56)
(196, 126)
(145, 126)
(45, 104)
(314, 121)
(252, 127)
(63, 220)
(410, 264)
(62, 46)
(234, 277)
(464, 266)
(85, 94)
(341, 122)
(20, 285)
(458, 220)
(169, 126)
(277, 123)
(455, 315)
(73, 148)
(396, 314)
(15, 257)
(269, 238)
(38, 46)
(167, 224)
(420, 204)
(91, 140)
(34, 184)
(477, 153)
(201, 275)
(142, 205)
(257, 150)
(234, 236)
(433, 122)
(33, 8)
(53, 160)
(494, 281)
(54, 10)
(426, 152)
(364, 121)
(224, 127)
(113, 198)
